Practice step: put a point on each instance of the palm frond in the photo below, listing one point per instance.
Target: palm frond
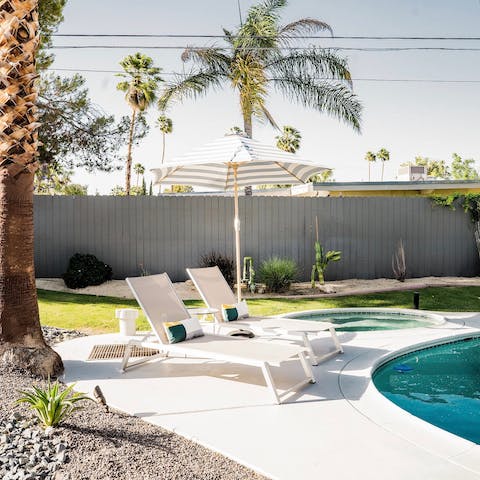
(269, 117)
(229, 37)
(123, 86)
(335, 99)
(260, 30)
(271, 6)
(304, 26)
(139, 64)
(209, 57)
(316, 62)
(193, 85)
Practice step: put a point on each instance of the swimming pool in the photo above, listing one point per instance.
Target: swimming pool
(439, 384)
(368, 319)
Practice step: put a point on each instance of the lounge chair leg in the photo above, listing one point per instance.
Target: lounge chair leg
(128, 353)
(269, 379)
(311, 353)
(335, 339)
(307, 368)
(126, 357)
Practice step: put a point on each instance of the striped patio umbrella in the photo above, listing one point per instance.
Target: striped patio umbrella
(235, 161)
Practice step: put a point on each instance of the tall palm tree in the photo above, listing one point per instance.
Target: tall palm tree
(370, 157)
(139, 169)
(289, 140)
(21, 340)
(258, 57)
(384, 156)
(165, 125)
(140, 88)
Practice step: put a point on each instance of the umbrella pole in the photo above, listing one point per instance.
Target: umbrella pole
(236, 225)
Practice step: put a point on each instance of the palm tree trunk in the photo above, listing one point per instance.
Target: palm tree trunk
(247, 124)
(247, 128)
(369, 171)
(21, 341)
(128, 167)
(383, 167)
(163, 147)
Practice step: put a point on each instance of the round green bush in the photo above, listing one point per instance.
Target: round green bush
(278, 273)
(86, 270)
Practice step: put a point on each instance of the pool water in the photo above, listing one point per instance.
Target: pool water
(357, 321)
(440, 385)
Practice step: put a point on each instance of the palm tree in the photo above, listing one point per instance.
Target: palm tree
(139, 169)
(258, 56)
(323, 177)
(289, 140)
(384, 156)
(370, 157)
(165, 125)
(140, 88)
(21, 341)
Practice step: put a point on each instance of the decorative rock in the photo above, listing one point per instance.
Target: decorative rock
(27, 453)
(54, 335)
(61, 457)
(60, 448)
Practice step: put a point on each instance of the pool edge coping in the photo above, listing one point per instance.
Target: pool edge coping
(443, 444)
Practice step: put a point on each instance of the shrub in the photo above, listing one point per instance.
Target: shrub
(224, 263)
(85, 270)
(399, 265)
(278, 273)
(51, 405)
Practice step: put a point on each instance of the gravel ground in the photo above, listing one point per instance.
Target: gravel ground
(113, 445)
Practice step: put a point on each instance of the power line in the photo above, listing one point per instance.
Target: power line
(182, 47)
(406, 80)
(300, 37)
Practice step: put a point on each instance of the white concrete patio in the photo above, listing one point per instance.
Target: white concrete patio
(340, 427)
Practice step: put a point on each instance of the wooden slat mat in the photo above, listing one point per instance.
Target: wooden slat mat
(105, 352)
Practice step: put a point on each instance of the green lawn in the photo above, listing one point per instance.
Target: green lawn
(97, 314)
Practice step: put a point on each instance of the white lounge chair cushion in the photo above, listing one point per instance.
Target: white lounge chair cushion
(235, 311)
(183, 330)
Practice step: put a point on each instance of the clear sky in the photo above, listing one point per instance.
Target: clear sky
(407, 118)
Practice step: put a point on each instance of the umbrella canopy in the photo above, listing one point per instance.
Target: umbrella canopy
(212, 165)
(236, 161)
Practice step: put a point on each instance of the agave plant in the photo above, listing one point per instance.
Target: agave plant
(278, 273)
(52, 405)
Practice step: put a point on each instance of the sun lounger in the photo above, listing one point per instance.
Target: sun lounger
(215, 292)
(160, 303)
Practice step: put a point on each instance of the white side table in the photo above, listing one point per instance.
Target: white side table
(206, 317)
(127, 319)
(204, 314)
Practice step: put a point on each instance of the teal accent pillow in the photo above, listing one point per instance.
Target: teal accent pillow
(176, 333)
(229, 313)
(185, 330)
(235, 311)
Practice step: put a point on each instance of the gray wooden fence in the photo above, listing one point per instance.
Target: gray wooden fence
(172, 233)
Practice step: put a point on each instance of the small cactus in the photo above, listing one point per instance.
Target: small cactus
(322, 259)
